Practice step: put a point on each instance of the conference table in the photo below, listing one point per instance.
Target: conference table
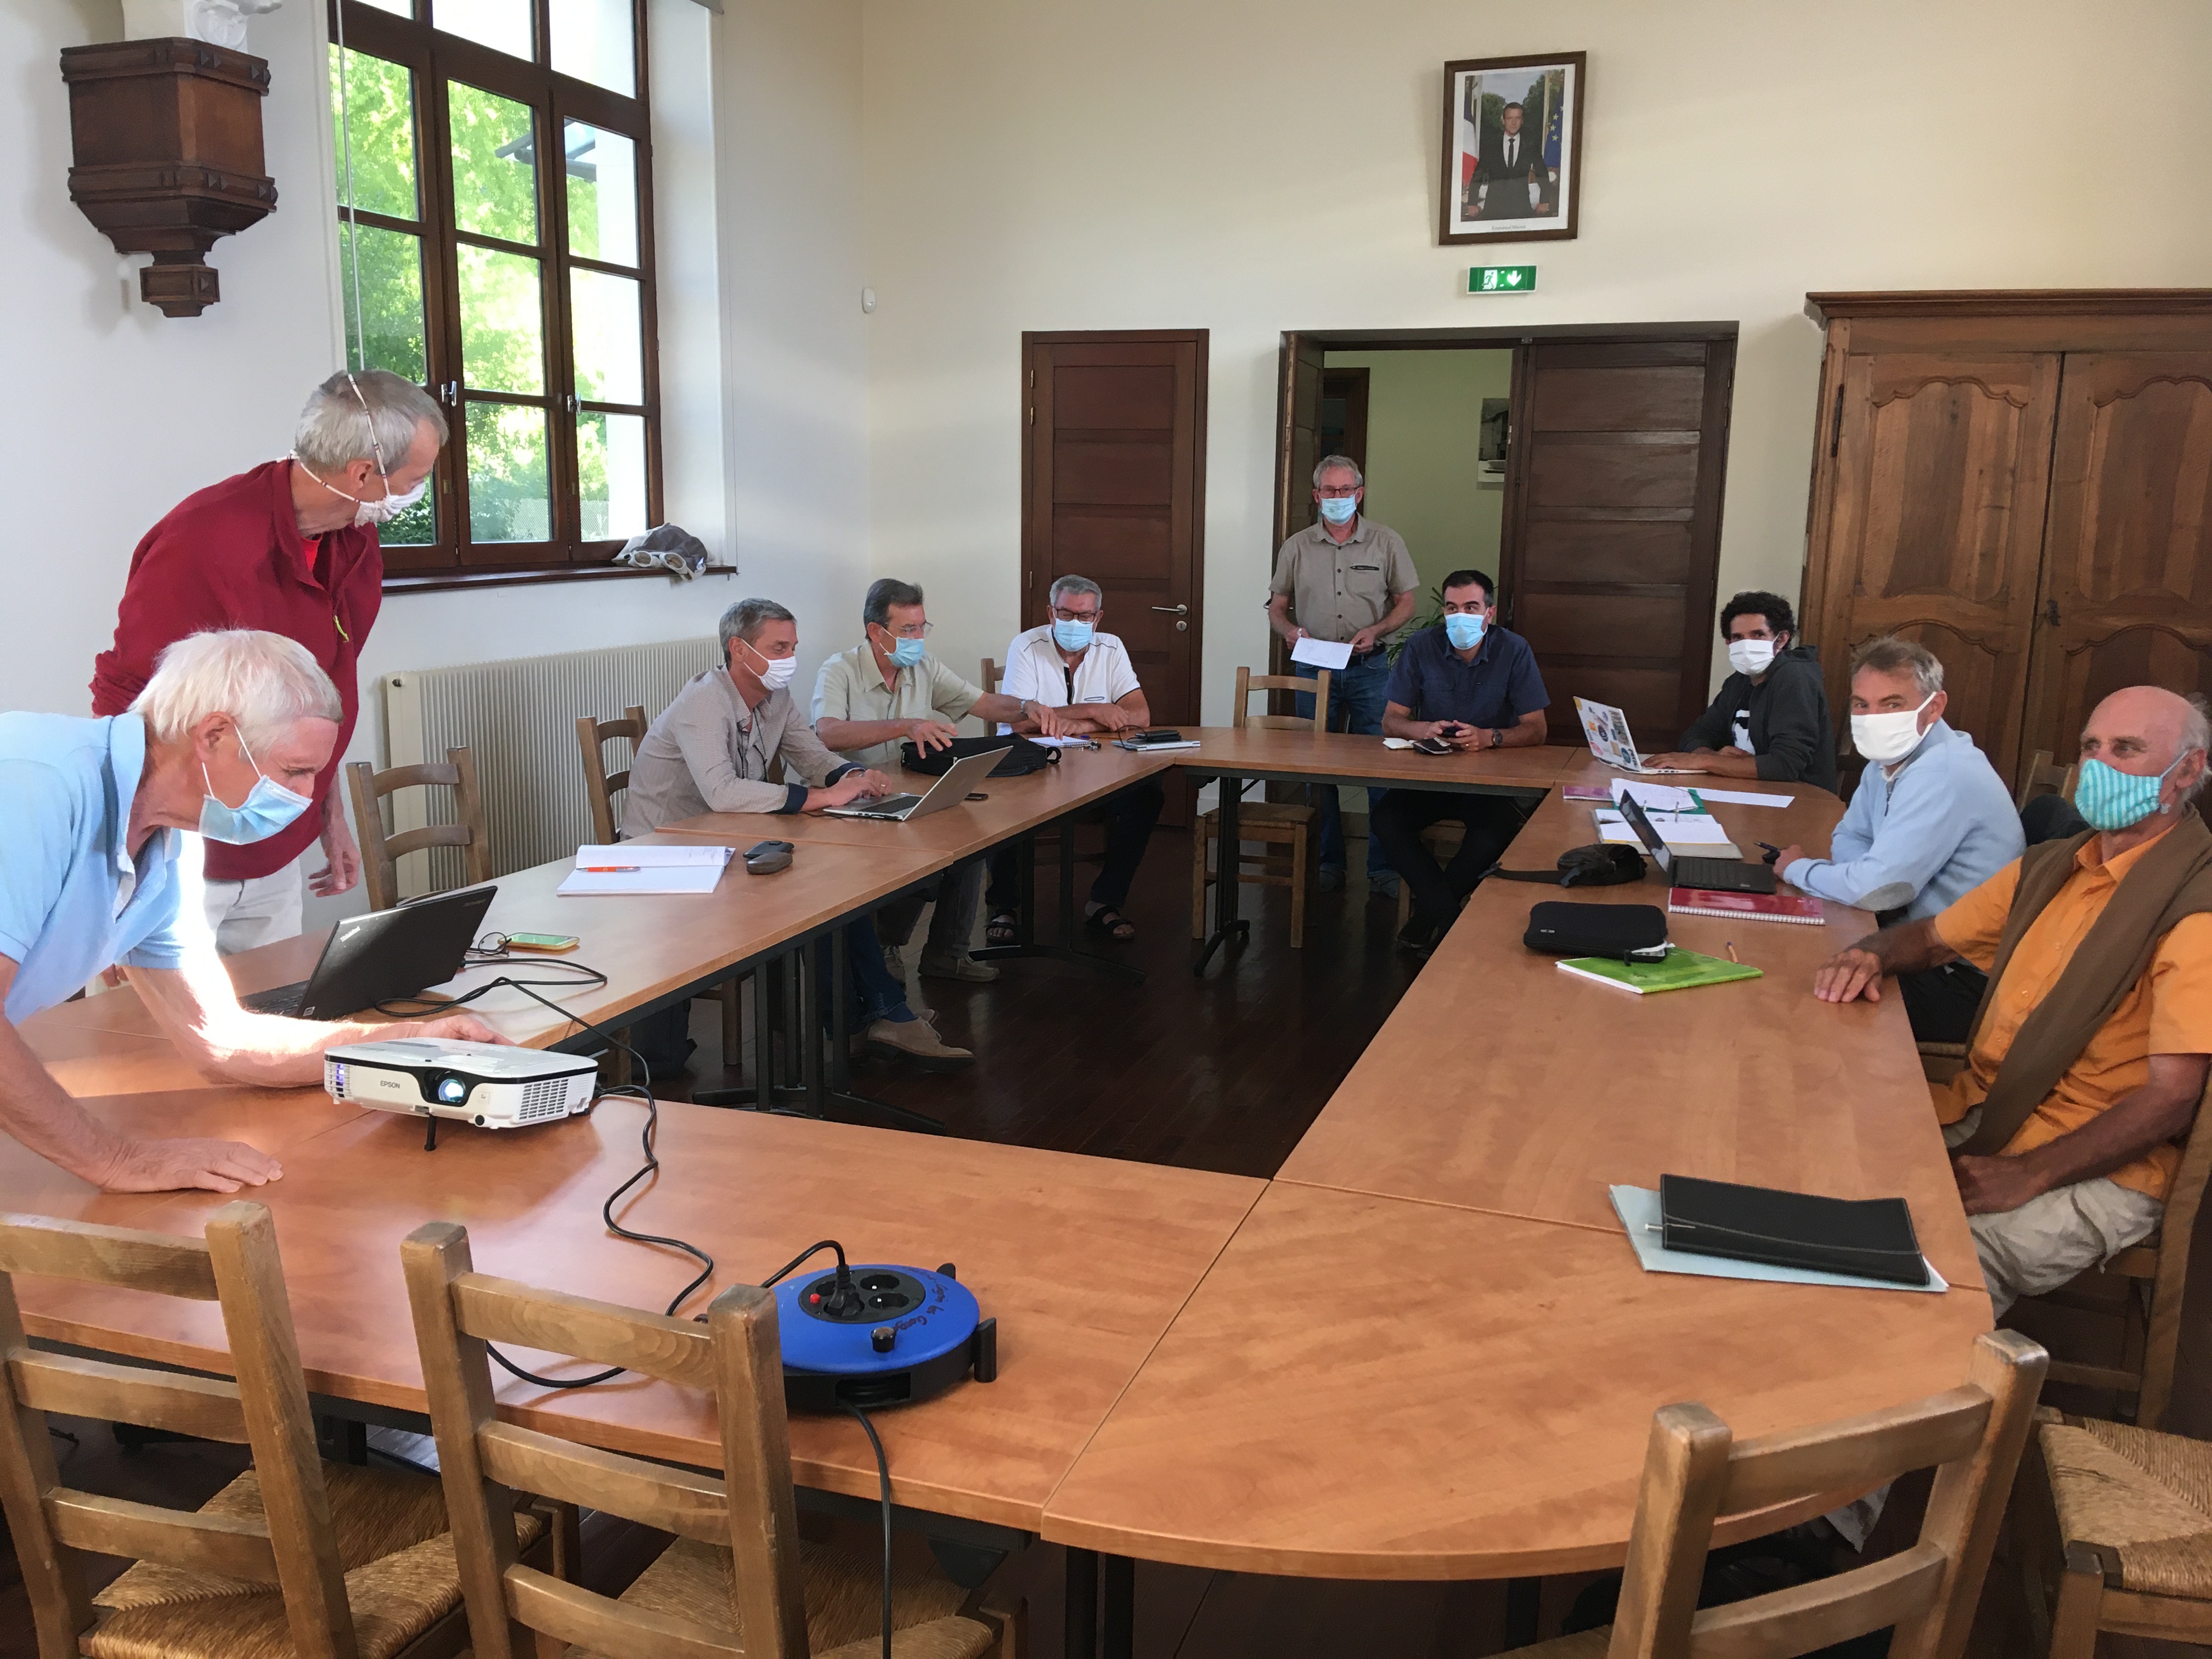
(1423, 1350)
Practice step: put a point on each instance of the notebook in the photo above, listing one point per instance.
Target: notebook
(1682, 971)
(1638, 1210)
(601, 871)
(1751, 906)
(1867, 1238)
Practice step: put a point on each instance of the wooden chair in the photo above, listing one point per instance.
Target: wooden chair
(1443, 839)
(2043, 776)
(1941, 1061)
(1271, 823)
(1694, 1471)
(738, 1562)
(593, 735)
(381, 854)
(346, 1562)
(1049, 840)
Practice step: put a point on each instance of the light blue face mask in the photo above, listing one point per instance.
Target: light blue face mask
(269, 807)
(2112, 800)
(1338, 509)
(907, 654)
(1071, 635)
(1464, 632)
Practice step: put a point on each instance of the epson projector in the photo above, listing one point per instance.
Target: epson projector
(493, 1087)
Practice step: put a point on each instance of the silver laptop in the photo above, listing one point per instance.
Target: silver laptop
(1606, 729)
(948, 791)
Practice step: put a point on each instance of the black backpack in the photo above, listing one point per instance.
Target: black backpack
(1022, 757)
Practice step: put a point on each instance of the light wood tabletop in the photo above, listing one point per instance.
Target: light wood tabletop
(1084, 1262)
(1372, 1388)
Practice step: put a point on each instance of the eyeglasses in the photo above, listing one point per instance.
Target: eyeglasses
(1337, 491)
(910, 631)
(1061, 613)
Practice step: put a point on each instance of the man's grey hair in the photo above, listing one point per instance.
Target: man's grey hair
(346, 412)
(746, 619)
(1338, 463)
(1888, 654)
(1067, 584)
(263, 681)
(882, 595)
(2197, 733)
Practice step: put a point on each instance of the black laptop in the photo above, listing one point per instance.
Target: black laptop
(383, 955)
(1717, 875)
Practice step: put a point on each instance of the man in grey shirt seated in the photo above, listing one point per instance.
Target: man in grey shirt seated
(709, 752)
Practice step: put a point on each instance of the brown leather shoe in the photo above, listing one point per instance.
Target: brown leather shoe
(917, 1041)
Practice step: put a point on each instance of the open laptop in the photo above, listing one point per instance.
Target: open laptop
(948, 791)
(1605, 729)
(383, 955)
(1719, 875)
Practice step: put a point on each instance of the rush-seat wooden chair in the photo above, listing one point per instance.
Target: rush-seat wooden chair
(1274, 825)
(1695, 1472)
(294, 1559)
(2043, 776)
(737, 1563)
(381, 854)
(593, 735)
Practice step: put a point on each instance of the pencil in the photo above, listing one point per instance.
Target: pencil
(1732, 955)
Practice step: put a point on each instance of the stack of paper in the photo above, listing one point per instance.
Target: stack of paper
(1322, 653)
(1699, 833)
(604, 870)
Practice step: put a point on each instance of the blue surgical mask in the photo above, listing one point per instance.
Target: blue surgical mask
(1338, 509)
(907, 654)
(269, 807)
(1464, 632)
(2112, 800)
(1071, 635)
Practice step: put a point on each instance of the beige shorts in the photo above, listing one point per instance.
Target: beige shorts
(2051, 1239)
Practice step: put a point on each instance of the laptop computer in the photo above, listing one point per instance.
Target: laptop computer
(383, 955)
(1717, 875)
(1606, 729)
(948, 791)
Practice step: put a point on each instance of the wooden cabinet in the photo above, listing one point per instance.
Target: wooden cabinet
(2019, 481)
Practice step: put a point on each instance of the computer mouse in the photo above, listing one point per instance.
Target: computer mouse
(769, 857)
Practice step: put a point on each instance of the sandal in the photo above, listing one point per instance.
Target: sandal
(1005, 928)
(1111, 922)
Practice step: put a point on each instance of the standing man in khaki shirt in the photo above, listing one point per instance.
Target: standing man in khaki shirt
(1350, 581)
(889, 689)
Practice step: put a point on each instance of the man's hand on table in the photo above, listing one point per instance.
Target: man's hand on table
(165, 1166)
(1788, 856)
(342, 871)
(1848, 974)
(1678, 762)
(1988, 1186)
(930, 735)
(461, 1028)
(1110, 716)
(853, 785)
(1053, 722)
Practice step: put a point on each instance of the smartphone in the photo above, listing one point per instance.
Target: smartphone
(549, 943)
(1431, 746)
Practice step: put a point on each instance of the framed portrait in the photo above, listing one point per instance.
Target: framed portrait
(1513, 148)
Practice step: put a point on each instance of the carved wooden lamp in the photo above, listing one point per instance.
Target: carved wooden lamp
(167, 138)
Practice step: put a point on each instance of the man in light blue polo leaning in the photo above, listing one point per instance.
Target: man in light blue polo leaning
(102, 824)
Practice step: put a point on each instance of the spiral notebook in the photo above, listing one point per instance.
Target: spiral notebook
(1750, 907)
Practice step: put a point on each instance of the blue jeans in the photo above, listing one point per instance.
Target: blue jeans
(1355, 704)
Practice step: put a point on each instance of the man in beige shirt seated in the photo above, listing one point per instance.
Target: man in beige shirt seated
(709, 752)
(890, 689)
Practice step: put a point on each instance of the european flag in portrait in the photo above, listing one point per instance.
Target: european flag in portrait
(1554, 112)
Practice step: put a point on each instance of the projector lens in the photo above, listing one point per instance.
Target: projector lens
(452, 1091)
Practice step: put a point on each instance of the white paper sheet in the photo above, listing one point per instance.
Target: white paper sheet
(1067, 743)
(1322, 653)
(1638, 1210)
(1657, 796)
(604, 871)
(1739, 798)
(1675, 829)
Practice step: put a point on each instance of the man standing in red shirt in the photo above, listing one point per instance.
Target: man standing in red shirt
(290, 547)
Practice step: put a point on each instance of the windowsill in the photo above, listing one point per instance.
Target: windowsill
(448, 581)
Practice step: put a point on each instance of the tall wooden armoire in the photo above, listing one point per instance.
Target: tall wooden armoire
(2022, 482)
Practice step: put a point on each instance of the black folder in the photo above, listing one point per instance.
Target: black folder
(1871, 1237)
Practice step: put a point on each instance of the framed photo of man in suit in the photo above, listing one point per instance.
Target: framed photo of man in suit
(1513, 148)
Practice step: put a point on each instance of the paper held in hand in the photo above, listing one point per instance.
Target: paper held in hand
(605, 870)
(1322, 653)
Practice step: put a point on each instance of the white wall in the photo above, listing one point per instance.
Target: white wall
(1253, 165)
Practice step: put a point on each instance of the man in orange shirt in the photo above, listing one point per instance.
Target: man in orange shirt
(2062, 1125)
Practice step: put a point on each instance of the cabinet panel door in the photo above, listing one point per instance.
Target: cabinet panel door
(2127, 571)
(1936, 527)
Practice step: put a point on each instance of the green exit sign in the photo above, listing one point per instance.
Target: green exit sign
(1502, 279)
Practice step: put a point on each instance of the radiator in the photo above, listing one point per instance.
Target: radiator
(519, 718)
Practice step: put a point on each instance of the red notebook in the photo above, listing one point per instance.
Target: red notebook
(1755, 906)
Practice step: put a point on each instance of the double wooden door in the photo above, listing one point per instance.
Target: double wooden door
(2037, 517)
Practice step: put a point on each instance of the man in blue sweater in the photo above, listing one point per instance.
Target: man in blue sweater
(1930, 821)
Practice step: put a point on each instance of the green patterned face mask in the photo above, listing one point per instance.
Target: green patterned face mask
(2112, 800)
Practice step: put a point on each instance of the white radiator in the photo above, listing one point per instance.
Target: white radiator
(519, 718)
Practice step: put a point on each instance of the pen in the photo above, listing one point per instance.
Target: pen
(1732, 955)
(609, 869)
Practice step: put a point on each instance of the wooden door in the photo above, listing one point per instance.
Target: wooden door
(1343, 422)
(1613, 518)
(1113, 489)
(1941, 468)
(2126, 597)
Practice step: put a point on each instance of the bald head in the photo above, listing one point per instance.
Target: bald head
(2146, 730)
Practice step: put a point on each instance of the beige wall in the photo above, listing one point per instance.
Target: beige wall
(1424, 428)
(1252, 165)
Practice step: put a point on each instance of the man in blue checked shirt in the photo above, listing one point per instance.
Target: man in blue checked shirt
(1475, 686)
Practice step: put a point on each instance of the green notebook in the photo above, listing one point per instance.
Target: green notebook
(1680, 971)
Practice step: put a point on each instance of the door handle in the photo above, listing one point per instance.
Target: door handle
(1173, 610)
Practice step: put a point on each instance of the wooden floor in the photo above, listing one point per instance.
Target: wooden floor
(1220, 1074)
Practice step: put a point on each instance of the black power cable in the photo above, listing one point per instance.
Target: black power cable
(883, 1478)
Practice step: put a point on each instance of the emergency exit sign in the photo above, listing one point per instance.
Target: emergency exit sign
(1501, 279)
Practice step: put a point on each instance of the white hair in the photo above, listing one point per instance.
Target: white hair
(1076, 585)
(351, 415)
(2197, 733)
(1888, 654)
(263, 681)
(1338, 464)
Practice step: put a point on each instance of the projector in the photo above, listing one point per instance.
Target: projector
(493, 1087)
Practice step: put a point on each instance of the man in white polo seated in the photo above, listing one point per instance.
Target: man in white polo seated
(101, 824)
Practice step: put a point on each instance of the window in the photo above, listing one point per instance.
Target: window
(495, 245)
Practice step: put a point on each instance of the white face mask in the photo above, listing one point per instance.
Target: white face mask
(775, 672)
(376, 509)
(1890, 737)
(1750, 656)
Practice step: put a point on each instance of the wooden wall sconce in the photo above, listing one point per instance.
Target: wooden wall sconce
(167, 139)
